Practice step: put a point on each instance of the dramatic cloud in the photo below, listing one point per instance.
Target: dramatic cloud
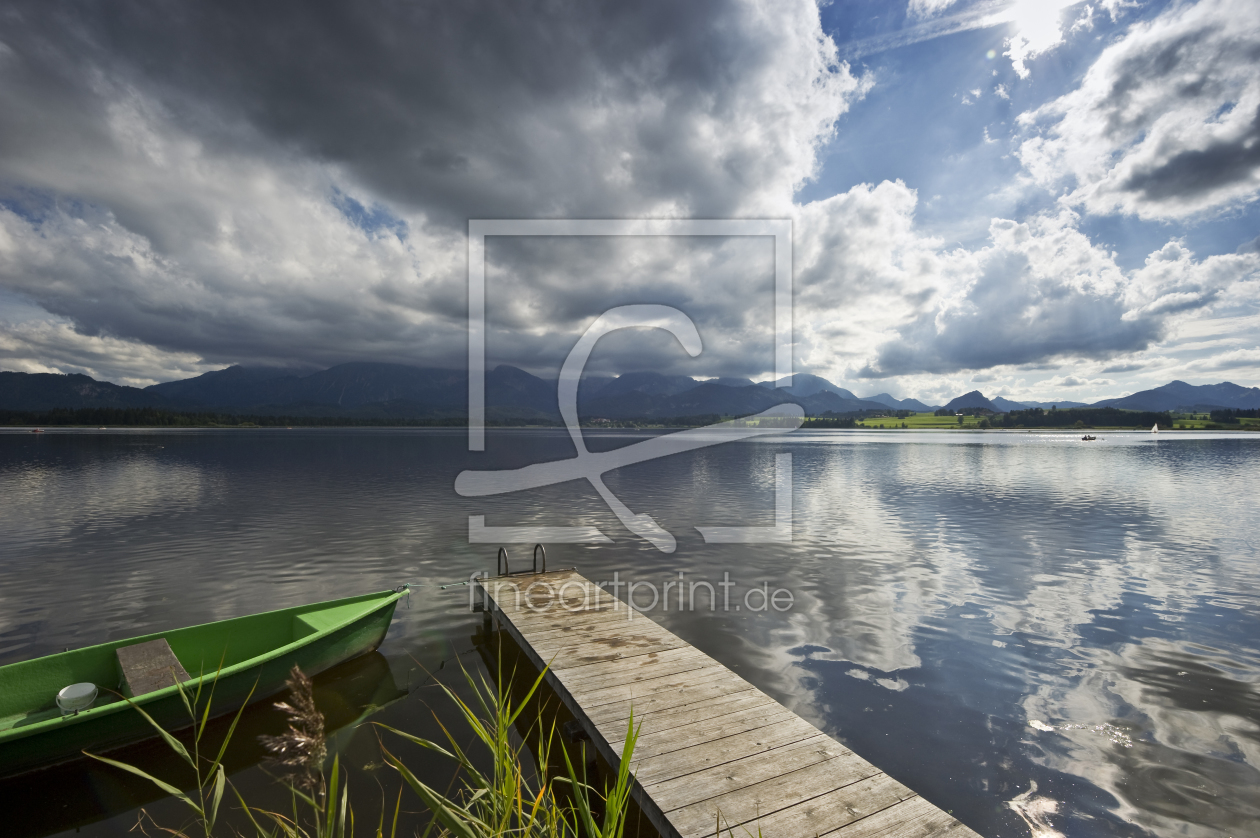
(293, 181)
(64, 350)
(186, 187)
(1166, 123)
(1042, 291)
(276, 273)
(861, 269)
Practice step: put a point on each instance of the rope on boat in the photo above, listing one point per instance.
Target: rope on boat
(501, 567)
(407, 586)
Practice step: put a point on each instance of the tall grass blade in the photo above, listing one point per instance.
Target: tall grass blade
(455, 819)
(183, 695)
(249, 813)
(330, 798)
(205, 715)
(216, 798)
(424, 743)
(218, 760)
(616, 803)
(581, 795)
(393, 830)
(164, 786)
(175, 744)
(341, 822)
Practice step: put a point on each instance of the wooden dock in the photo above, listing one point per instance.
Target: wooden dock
(712, 749)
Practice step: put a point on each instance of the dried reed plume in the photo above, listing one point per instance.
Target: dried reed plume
(301, 750)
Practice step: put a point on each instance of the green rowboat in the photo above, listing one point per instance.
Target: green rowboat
(247, 653)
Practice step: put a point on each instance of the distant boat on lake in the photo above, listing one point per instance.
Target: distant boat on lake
(1155, 428)
(37, 431)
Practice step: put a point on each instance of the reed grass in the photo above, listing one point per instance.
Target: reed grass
(510, 800)
(207, 795)
(515, 797)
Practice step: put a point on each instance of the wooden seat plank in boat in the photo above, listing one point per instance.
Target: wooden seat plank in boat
(148, 667)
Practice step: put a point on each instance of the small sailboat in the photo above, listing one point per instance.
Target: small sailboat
(1155, 428)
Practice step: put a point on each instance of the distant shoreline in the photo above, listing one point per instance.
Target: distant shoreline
(1128, 429)
(1069, 420)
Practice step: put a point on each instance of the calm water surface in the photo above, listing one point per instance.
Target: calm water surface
(1047, 637)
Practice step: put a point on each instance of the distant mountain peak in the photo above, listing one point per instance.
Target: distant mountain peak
(804, 384)
(974, 399)
(899, 404)
(649, 383)
(1176, 395)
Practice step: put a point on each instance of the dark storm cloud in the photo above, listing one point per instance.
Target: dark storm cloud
(459, 109)
(1196, 172)
(291, 181)
(184, 186)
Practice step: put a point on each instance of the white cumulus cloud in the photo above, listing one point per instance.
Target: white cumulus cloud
(1165, 124)
(1041, 291)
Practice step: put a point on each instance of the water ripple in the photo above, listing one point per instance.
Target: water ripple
(1046, 638)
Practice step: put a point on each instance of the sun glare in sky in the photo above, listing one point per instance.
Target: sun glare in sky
(1037, 28)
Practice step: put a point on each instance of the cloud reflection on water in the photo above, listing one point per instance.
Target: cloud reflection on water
(949, 589)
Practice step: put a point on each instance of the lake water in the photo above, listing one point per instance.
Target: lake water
(1043, 635)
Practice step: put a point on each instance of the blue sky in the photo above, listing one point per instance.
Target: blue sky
(922, 124)
(1042, 200)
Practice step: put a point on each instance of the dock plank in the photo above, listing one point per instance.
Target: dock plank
(711, 674)
(914, 818)
(653, 742)
(773, 794)
(575, 655)
(710, 783)
(686, 659)
(828, 812)
(720, 752)
(712, 747)
(738, 709)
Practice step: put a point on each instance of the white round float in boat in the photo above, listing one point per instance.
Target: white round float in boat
(76, 697)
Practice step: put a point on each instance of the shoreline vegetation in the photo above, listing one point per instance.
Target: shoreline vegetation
(515, 787)
(1087, 418)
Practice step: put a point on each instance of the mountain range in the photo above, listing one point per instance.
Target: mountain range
(1178, 395)
(361, 390)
